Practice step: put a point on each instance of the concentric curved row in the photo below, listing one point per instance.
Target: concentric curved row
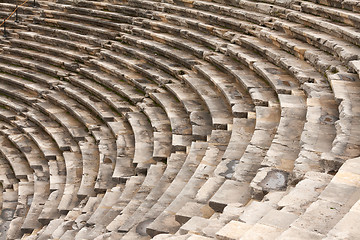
(180, 120)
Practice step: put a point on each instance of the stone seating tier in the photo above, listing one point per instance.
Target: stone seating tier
(180, 119)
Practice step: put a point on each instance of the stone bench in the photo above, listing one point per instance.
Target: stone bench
(269, 225)
(318, 133)
(25, 191)
(32, 153)
(80, 28)
(180, 123)
(71, 158)
(285, 148)
(51, 153)
(174, 69)
(76, 39)
(41, 57)
(221, 116)
(28, 74)
(166, 221)
(309, 18)
(235, 95)
(184, 58)
(328, 108)
(261, 94)
(73, 180)
(74, 127)
(12, 91)
(248, 28)
(255, 217)
(348, 5)
(79, 133)
(9, 203)
(348, 33)
(55, 45)
(41, 193)
(125, 148)
(156, 28)
(139, 66)
(34, 65)
(183, 175)
(8, 179)
(164, 63)
(106, 143)
(94, 103)
(334, 14)
(129, 202)
(144, 141)
(224, 169)
(343, 87)
(63, 139)
(342, 227)
(56, 167)
(198, 113)
(103, 112)
(73, 9)
(20, 165)
(265, 8)
(162, 130)
(132, 77)
(311, 55)
(41, 185)
(173, 166)
(208, 41)
(87, 12)
(329, 209)
(111, 198)
(197, 49)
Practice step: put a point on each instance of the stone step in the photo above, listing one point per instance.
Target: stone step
(19, 164)
(166, 221)
(241, 134)
(179, 120)
(173, 166)
(73, 180)
(31, 151)
(167, 65)
(34, 65)
(267, 120)
(240, 193)
(192, 160)
(8, 178)
(259, 91)
(125, 207)
(341, 149)
(343, 226)
(35, 54)
(221, 116)
(329, 209)
(113, 82)
(233, 92)
(144, 141)
(116, 202)
(162, 129)
(81, 28)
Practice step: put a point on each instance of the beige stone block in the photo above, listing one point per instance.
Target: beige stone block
(234, 230)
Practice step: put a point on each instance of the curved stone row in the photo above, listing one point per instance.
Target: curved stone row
(180, 120)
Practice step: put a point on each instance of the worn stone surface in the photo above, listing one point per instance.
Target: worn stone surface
(215, 119)
(230, 192)
(233, 230)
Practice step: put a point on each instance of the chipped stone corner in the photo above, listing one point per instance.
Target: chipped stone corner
(267, 180)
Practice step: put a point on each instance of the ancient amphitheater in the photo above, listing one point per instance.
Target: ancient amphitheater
(180, 119)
